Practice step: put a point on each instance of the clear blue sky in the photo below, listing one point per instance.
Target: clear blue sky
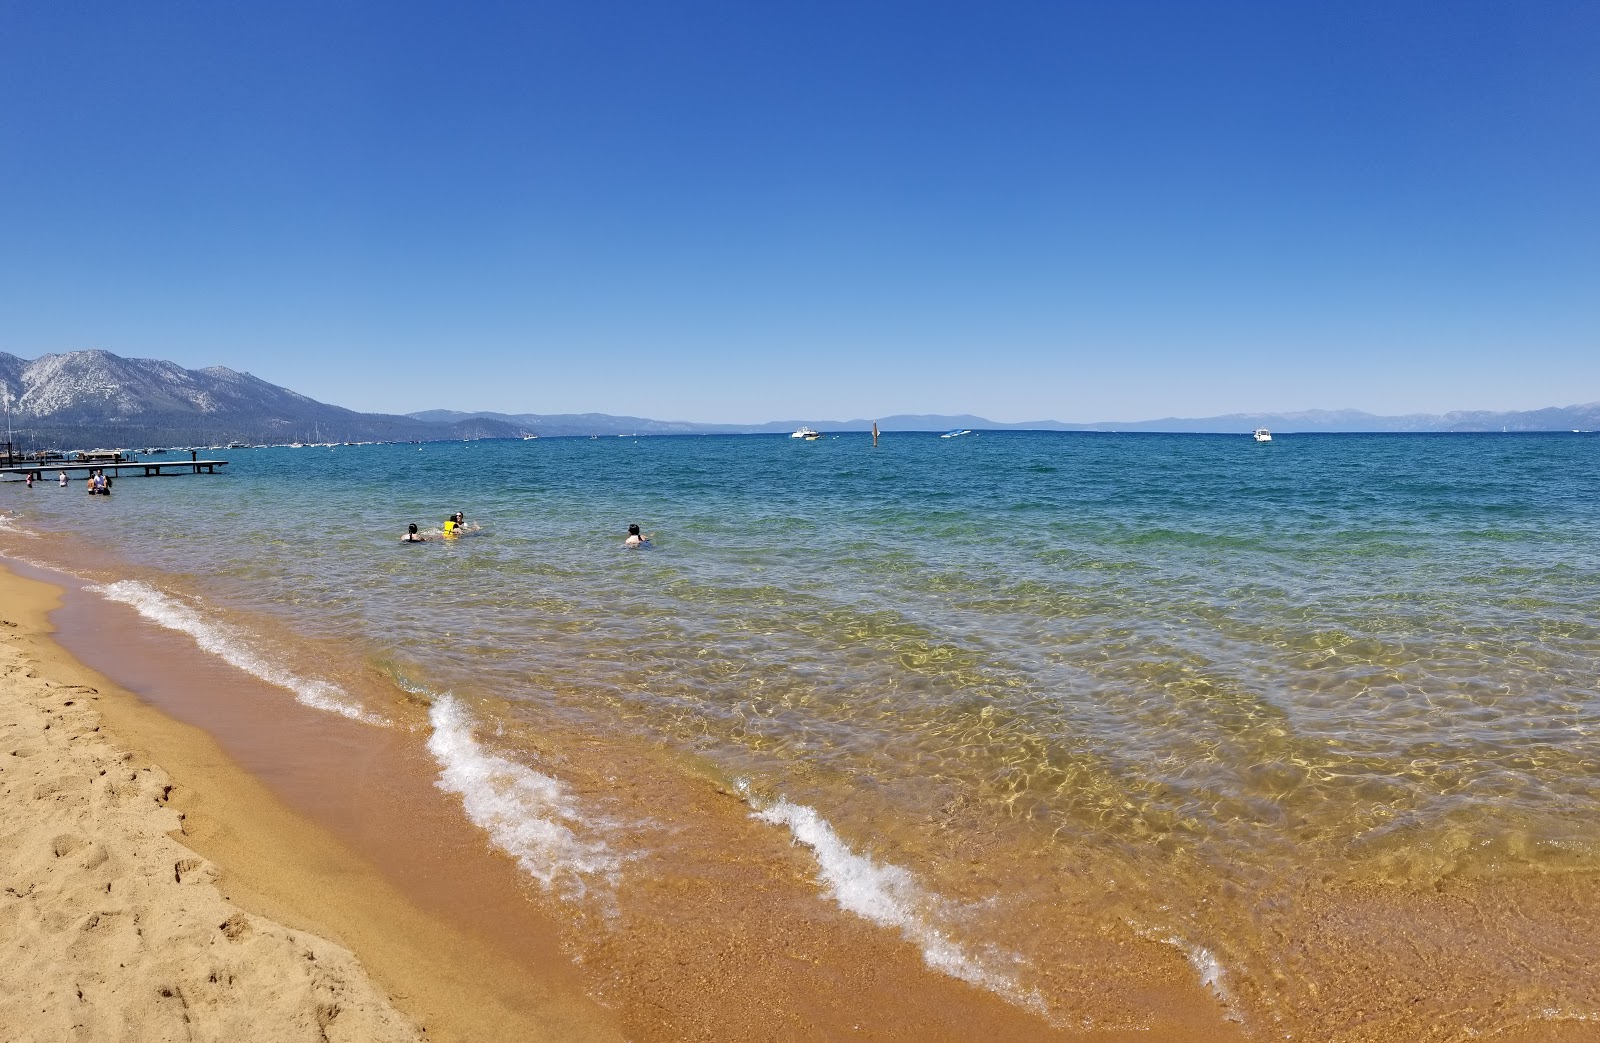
(749, 211)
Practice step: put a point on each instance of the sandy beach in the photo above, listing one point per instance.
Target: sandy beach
(117, 926)
(279, 871)
(115, 929)
(242, 835)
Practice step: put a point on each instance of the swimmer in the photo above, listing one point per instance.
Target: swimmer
(413, 536)
(30, 479)
(636, 540)
(450, 526)
(63, 479)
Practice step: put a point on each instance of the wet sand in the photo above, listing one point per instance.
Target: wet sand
(718, 929)
(240, 925)
(335, 826)
(114, 928)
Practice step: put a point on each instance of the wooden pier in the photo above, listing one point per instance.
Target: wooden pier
(115, 468)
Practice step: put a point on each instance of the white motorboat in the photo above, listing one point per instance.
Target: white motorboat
(808, 434)
(1263, 435)
(956, 434)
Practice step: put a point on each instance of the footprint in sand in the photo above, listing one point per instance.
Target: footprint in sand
(66, 844)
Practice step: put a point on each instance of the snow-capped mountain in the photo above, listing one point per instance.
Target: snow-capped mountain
(82, 398)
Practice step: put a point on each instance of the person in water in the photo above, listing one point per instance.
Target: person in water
(451, 525)
(635, 539)
(63, 479)
(413, 536)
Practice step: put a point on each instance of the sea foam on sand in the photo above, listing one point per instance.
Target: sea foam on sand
(529, 816)
(888, 895)
(232, 646)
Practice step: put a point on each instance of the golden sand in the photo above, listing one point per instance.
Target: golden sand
(113, 925)
(309, 827)
(219, 863)
(114, 929)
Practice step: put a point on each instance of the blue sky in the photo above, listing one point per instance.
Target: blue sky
(745, 211)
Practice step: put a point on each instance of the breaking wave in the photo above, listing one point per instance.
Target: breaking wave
(529, 816)
(888, 895)
(230, 645)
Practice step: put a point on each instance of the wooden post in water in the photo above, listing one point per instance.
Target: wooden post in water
(874, 434)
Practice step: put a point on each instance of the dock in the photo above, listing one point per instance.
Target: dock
(115, 468)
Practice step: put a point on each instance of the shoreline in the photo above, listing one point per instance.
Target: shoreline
(720, 930)
(314, 821)
(198, 842)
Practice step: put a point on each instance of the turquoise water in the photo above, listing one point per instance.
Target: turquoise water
(1189, 628)
(1367, 655)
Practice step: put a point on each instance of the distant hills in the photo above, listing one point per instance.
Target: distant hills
(1585, 418)
(80, 399)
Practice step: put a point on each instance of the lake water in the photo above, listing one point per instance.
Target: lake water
(1014, 690)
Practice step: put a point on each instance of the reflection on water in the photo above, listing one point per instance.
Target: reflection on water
(1357, 658)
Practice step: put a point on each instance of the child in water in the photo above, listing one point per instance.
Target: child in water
(636, 540)
(413, 536)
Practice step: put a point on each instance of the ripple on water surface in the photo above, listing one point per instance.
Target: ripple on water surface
(1352, 658)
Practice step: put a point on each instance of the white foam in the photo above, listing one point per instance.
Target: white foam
(1559, 1014)
(529, 816)
(1208, 968)
(890, 896)
(230, 645)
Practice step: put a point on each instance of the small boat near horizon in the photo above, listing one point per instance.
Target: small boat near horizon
(956, 434)
(807, 433)
(1263, 435)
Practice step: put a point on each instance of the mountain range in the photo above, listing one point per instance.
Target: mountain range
(94, 398)
(1566, 418)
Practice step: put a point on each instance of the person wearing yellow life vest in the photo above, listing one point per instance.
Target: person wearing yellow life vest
(450, 526)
